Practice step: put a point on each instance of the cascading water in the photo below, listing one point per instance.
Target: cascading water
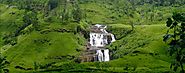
(106, 53)
(100, 55)
(113, 38)
(98, 39)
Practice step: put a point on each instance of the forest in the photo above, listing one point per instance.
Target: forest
(50, 35)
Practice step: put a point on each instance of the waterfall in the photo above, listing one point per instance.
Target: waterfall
(113, 38)
(100, 55)
(91, 39)
(106, 55)
(98, 40)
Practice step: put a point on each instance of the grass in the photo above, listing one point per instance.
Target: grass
(146, 41)
(10, 22)
(141, 50)
(42, 48)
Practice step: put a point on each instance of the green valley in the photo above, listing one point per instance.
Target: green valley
(51, 36)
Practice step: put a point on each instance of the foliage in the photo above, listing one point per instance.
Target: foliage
(28, 19)
(52, 4)
(176, 40)
(83, 28)
(9, 39)
(77, 14)
(55, 43)
(3, 64)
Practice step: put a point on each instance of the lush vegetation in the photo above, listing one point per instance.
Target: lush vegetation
(50, 35)
(176, 40)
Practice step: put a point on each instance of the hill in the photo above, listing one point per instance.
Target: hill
(55, 34)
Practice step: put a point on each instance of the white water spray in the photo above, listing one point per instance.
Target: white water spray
(106, 53)
(100, 55)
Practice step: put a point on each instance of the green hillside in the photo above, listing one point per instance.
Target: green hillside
(50, 35)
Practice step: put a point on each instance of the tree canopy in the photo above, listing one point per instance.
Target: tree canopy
(175, 37)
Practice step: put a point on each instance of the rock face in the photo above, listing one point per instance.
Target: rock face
(96, 50)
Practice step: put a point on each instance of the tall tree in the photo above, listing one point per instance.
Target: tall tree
(176, 40)
(65, 13)
(77, 12)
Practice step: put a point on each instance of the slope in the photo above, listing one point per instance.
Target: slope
(53, 43)
(140, 51)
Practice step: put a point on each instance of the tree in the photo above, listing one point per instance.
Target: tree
(68, 14)
(175, 37)
(65, 16)
(29, 18)
(77, 12)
